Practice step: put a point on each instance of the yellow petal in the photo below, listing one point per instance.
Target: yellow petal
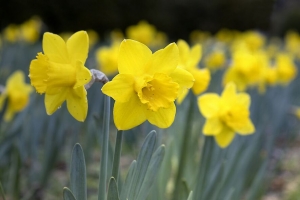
(185, 81)
(246, 128)
(229, 92)
(77, 103)
(195, 55)
(225, 137)
(129, 114)
(244, 99)
(133, 57)
(121, 88)
(164, 60)
(209, 105)
(83, 75)
(54, 100)
(212, 126)
(38, 73)
(78, 46)
(202, 79)
(163, 117)
(182, 96)
(183, 52)
(16, 78)
(55, 48)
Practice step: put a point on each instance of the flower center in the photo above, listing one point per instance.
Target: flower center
(157, 92)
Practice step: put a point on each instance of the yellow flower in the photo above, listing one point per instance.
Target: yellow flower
(12, 33)
(17, 92)
(146, 34)
(30, 30)
(286, 69)
(215, 60)
(60, 73)
(146, 86)
(246, 69)
(107, 58)
(226, 115)
(188, 60)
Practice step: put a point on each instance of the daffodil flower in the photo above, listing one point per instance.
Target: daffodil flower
(146, 86)
(226, 115)
(17, 93)
(60, 73)
(188, 60)
(107, 58)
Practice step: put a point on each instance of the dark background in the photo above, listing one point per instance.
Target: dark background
(177, 18)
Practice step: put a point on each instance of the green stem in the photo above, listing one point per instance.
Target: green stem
(184, 147)
(2, 195)
(117, 155)
(105, 140)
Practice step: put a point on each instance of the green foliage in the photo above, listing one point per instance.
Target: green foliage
(78, 173)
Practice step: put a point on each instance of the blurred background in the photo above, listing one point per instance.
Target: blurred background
(35, 148)
(177, 18)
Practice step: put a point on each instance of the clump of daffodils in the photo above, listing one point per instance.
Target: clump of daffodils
(147, 85)
(17, 94)
(60, 74)
(226, 115)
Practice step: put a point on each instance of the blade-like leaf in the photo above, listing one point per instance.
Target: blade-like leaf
(143, 161)
(68, 195)
(152, 172)
(128, 181)
(78, 173)
(190, 196)
(113, 193)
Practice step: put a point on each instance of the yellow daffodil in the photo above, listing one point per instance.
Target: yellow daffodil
(147, 85)
(146, 34)
(215, 60)
(286, 69)
(188, 60)
(226, 115)
(107, 58)
(12, 33)
(269, 77)
(17, 93)
(30, 30)
(60, 73)
(246, 69)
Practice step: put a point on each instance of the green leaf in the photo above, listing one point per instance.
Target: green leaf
(190, 196)
(128, 181)
(78, 173)
(143, 161)
(183, 190)
(2, 195)
(68, 195)
(113, 193)
(152, 172)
